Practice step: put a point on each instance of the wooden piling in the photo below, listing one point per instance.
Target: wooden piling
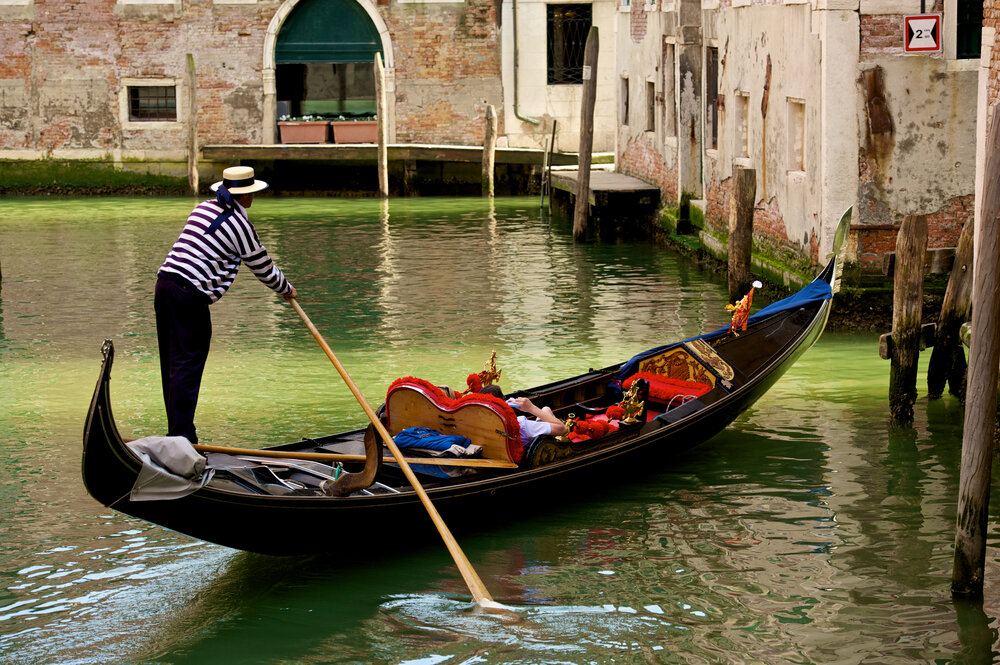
(947, 362)
(981, 392)
(589, 95)
(382, 116)
(741, 205)
(907, 301)
(489, 150)
(192, 88)
(542, 180)
(548, 164)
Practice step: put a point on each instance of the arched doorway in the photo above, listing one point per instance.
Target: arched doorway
(319, 60)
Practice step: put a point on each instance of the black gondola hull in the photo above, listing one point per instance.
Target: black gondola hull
(287, 525)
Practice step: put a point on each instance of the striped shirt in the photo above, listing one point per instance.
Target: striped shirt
(210, 261)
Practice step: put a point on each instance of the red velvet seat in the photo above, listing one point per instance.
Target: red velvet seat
(664, 389)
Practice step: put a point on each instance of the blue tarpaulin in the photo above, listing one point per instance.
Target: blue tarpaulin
(815, 291)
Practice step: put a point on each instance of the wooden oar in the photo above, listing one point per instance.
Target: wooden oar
(343, 457)
(476, 586)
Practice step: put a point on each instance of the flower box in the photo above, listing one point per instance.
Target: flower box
(311, 131)
(355, 131)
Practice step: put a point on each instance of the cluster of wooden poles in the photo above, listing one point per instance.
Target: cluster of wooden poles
(969, 292)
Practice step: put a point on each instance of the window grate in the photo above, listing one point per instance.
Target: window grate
(152, 102)
(568, 26)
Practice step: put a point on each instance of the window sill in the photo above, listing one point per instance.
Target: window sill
(151, 124)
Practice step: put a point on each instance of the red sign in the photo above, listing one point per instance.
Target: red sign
(922, 33)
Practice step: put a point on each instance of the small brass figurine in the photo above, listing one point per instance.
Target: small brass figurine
(570, 424)
(632, 405)
(490, 373)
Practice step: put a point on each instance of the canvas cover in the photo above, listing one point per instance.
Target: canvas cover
(171, 468)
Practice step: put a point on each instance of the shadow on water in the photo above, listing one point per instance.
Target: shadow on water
(267, 609)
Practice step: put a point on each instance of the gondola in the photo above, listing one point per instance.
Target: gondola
(338, 493)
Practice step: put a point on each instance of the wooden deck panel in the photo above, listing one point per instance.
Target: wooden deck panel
(368, 152)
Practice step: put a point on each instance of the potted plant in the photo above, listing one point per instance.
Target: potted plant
(361, 129)
(303, 129)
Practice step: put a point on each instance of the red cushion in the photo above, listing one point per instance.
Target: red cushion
(663, 388)
(588, 428)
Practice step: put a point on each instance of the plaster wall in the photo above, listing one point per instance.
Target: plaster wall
(650, 151)
(771, 55)
(931, 155)
(542, 103)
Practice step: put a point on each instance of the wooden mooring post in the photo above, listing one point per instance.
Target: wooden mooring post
(489, 150)
(383, 125)
(981, 392)
(907, 302)
(741, 205)
(582, 209)
(947, 364)
(192, 88)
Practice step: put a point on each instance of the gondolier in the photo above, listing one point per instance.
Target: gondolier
(199, 269)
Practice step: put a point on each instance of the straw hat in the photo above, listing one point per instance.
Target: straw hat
(239, 180)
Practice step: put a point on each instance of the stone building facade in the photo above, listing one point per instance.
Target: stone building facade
(820, 98)
(75, 74)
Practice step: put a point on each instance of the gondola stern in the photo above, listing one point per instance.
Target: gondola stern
(104, 452)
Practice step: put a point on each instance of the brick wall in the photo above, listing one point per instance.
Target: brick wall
(991, 18)
(944, 226)
(638, 21)
(641, 159)
(62, 69)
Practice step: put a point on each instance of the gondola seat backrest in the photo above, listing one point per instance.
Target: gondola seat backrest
(486, 420)
(681, 364)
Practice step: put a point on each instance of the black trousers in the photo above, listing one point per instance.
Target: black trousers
(184, 333)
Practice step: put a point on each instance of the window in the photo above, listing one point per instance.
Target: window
(624, 99)
(969, 29)
(326, 89)
(650, 106)
(669, 92)
(712, 97)
(796, 135)
(742, 147)
(152, 103)
(567, 29)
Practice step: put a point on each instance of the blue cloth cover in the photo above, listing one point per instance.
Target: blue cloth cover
(428, 439)
(816, 290)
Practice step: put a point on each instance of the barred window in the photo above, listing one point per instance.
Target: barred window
(568, 26)
(152, 102)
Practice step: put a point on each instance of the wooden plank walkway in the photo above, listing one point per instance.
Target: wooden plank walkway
(609, 188)
(619, 204)
(368, 152)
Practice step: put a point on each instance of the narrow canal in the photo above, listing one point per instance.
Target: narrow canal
(808, 532)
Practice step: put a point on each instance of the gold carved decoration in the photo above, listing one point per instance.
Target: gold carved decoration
(703, 350)
(678, 363)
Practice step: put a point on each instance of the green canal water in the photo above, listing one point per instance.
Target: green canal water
(810, 531)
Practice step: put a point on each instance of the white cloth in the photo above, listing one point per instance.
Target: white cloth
(455, 451)
(532, 428)
(171, 468)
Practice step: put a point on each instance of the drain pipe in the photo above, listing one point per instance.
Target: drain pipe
(517, 110)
